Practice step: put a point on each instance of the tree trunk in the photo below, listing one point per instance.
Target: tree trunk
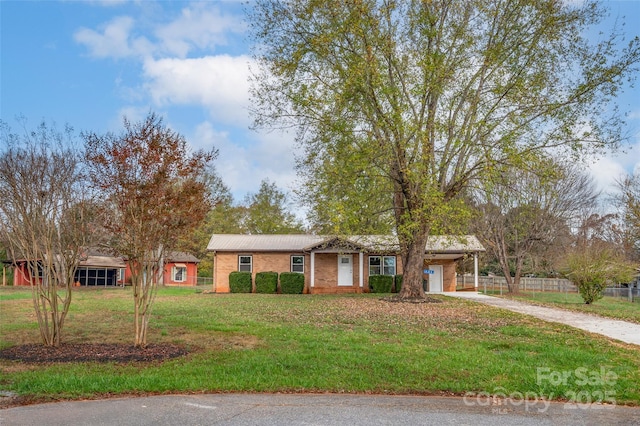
(412, 253)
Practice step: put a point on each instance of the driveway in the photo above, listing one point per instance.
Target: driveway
(624, 331)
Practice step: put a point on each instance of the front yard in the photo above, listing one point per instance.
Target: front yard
(314, 343)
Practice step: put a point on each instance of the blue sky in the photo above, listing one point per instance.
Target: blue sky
(88, 63)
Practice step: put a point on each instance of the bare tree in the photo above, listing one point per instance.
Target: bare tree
(628, 202)
(154, 192)
(43, 217)
(529, 211)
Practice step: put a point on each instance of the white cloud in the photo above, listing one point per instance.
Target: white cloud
(200, 27)
(220, 83)
(243, 166)
(233, 163)
(605, 171)
(610, 168)
(114, 40)
(133, 113)
(101, 45)
(274, 155)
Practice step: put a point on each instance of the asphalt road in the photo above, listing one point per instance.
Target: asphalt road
(317, 409)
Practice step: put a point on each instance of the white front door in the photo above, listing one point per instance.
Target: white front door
(345, 269)
(435, 279)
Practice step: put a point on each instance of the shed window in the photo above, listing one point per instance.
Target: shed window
(179, 273)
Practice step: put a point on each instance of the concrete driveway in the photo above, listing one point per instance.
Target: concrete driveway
(624, 331)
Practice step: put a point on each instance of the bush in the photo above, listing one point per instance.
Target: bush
(266, 282)
(380, 283)
(291, 283)
(240, 282)
(593, 268)
(398, 283)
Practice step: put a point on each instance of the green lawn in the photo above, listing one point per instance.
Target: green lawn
(305, 343)
(610, 307)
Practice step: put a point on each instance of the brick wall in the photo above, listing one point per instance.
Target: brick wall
(326, 270)
(225, 263)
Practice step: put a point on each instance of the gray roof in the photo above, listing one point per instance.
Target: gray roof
(108, 262)
(180, 256)
(306, 242)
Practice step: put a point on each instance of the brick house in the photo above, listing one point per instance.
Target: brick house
(337, 264)
(99, 269)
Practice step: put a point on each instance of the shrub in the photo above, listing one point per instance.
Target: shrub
(266, 282)
(593, 268)
(380, 283)
(291, 283)
(398, 283)
(240, 282)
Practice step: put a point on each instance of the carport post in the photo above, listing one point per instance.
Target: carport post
(361, 269)
(475, 270)
(313, 269)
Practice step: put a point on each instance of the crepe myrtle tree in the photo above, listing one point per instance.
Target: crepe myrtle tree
(43, 219)
(154, 190)
(399, 105)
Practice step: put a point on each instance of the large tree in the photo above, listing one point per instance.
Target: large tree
(223, 218)
(43, 217)
(268, 212)
(528, 212)
(415, 99)
(154, 191)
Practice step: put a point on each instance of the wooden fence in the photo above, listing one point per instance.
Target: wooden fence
(499, 285)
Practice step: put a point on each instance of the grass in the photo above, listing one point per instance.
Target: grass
(610, 307)
(317, 343)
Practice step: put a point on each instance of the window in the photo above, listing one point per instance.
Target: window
(245, 263)
(374, 265)
(297, 264)
(389, 267)
(179, 273)
(382, 265)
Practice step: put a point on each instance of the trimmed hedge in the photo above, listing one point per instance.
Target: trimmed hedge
(291, 283)
(398, 282)
(266, 282)
(380, 283)
(240, 282)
